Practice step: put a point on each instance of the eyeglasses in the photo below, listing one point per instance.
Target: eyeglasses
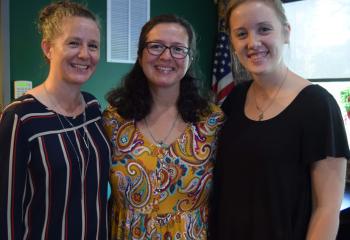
(157, 49)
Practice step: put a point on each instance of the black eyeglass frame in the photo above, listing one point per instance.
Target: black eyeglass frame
(188, 50)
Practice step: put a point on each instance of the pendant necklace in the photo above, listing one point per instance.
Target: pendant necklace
(162, 142)
(259, 109)
(83, 137)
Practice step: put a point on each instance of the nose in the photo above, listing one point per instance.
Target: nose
(253, 41)
(83, 52)
(166, 54)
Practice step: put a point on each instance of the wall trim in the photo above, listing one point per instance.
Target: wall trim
(5, 53)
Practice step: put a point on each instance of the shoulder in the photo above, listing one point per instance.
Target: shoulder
(22, 106)
(90, 100)
(316, 90)
(318, 109)
(25, 112)
(215, 117)
(113, 122)
(316, 97)
(236, 96)
(111, 114)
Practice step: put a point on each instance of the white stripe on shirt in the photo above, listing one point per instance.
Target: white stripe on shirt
(10, 178)
(43, 157)
(63, 130)
(68, 167)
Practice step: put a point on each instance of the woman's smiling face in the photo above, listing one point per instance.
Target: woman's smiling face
(258, 36)
(74, 53)
(165, 70)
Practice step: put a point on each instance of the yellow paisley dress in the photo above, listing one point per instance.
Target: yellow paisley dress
(161, 193)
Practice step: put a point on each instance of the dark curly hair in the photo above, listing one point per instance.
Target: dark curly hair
(133, 98)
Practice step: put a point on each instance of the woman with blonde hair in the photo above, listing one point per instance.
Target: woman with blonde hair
(54, 156)
(281, 160)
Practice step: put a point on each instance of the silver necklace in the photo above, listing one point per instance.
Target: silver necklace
(86, 143)
(162, 142)
(259, 109)
(84, 136)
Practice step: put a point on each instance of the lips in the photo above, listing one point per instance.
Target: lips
(257, 56)
(165, 69)
(80, 66)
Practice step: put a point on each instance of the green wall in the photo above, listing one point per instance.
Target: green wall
(26, 57)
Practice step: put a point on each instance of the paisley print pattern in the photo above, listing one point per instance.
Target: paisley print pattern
(161, 193)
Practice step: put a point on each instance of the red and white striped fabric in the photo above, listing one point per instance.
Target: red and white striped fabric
(222, 81)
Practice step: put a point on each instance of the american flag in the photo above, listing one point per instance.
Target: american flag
(222, 82)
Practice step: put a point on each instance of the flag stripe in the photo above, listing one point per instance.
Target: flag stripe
(222, 81)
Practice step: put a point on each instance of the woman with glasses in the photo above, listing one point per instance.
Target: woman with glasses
(163, 133)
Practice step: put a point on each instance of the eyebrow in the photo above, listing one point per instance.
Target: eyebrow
(79, 39)
(265, 23)
(259, 23)
(239, 29)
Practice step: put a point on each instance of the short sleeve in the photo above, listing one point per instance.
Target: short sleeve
(323, 131)
(112, 122)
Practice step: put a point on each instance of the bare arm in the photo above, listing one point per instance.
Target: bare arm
(328, 183)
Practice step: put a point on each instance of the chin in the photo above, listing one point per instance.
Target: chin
(79, 79)
(257, 69)
(165, 83)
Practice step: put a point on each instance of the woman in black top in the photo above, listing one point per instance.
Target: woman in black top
(281, 160)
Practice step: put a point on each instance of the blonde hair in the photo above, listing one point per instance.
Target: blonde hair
(51, 17)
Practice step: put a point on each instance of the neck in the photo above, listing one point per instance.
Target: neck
(266, 84)
(162, 112)
(66, 100)
(265, 98)
(165, 97)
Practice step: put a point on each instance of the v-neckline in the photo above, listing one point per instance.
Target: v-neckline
(149, 142)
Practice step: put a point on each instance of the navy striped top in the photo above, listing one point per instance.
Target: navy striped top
(53, 172)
